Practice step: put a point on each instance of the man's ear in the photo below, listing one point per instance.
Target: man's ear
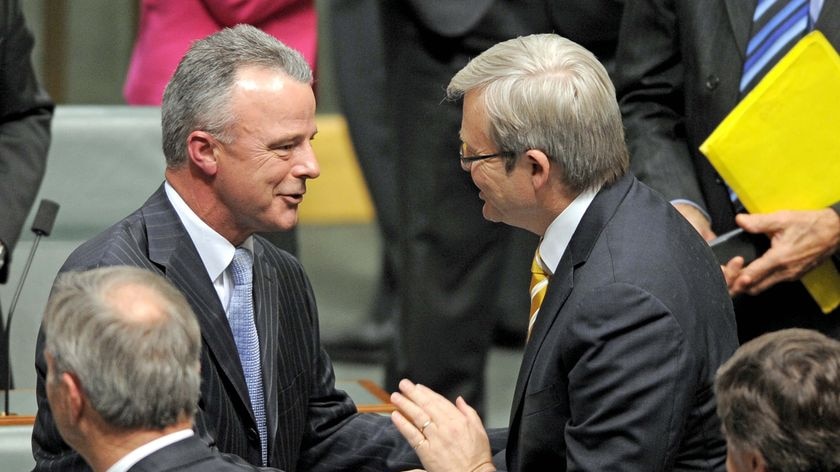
(202, 149)
(73, 395)
(757, 461)
(540, 167)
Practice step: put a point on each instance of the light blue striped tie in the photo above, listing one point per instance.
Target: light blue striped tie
(777, 26)
(241, 319)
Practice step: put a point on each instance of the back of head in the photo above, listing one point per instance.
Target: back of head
(198, 95)
(132, 341)
(779, 395)
(546, 92)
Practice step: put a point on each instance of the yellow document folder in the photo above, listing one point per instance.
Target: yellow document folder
(779, 149)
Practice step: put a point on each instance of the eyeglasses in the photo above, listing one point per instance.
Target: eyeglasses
(467, 160)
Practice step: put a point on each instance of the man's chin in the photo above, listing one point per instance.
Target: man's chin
(285, 222)
(490, 214)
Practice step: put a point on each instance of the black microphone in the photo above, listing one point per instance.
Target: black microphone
(41, 226)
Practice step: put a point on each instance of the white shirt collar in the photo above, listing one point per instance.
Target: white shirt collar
(133, 457)
(215, 251)
(559, 233)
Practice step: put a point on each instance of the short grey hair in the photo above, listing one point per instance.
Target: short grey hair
(779, 395)
(546, 92)
(136, 373)
(198, 95)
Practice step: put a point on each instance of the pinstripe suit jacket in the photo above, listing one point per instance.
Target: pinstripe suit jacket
(311, 425)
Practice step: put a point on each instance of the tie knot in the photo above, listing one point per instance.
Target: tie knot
(538, 266)
(241, 267)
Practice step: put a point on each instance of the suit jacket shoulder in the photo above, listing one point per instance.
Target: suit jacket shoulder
(190, 454)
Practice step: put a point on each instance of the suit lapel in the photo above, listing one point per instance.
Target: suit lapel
(266, 306)
(740, 14)
(171, 248)
(562, 281)
(828, 22)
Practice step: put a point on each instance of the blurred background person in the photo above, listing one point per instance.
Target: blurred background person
(359, 62)
(167, 29)
(123, 372)
(679, 73)
(25, 114)
(779, 402)
(461, 277)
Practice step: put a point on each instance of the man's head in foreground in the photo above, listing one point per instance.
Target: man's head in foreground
(779, 403)
(122, 348)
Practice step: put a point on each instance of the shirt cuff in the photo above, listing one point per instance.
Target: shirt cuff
(703, 211)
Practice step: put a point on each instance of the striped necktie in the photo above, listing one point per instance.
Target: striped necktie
(539, 285)
(777, 26)
(241, 320)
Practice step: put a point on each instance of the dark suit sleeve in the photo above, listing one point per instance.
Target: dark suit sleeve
(628, 396)
(337, 437)
(649, 78)
(25, 113)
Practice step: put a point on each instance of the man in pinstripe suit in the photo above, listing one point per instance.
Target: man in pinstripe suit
(238, 117)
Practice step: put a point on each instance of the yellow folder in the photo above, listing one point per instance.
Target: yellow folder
(779, 149)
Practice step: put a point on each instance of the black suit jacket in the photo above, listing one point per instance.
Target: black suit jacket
(311, 425)
(25, 113)
(679, 66)
(619, 369)
(187, 455)
(677, 76)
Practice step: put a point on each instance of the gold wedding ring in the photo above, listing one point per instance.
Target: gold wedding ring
(426, 424)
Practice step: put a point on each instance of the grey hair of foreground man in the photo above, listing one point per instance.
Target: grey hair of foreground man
(137, 372)
(779, 396)
(198, 95)
(546, 92)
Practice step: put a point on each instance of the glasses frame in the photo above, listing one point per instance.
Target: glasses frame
(467, 160)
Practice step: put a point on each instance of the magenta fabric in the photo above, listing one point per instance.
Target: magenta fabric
(168, 28)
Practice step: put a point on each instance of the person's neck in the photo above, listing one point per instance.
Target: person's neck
(108, 445)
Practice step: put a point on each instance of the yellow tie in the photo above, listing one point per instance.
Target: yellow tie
(539, 285)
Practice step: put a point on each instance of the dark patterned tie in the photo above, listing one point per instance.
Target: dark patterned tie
(241, 319)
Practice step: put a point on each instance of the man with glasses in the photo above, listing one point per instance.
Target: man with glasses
(623, 342)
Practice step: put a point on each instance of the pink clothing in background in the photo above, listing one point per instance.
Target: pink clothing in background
(168, 28)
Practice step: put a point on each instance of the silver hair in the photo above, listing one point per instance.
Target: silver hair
(136, 373)
(779, 395)
(198, 95)
(546, 92)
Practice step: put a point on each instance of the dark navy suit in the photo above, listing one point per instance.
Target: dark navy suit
(619, 370)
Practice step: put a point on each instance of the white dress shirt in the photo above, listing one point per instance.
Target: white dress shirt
(215, 251)
(559, 233)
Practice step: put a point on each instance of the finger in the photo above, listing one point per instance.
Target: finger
(407, 429)
(411, 410)
(468, 411)
(434, 405)
(754, 274)
(758, 222)
(731, 271)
